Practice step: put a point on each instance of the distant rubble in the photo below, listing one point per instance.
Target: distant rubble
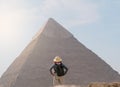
(95, 84)
(103, 84)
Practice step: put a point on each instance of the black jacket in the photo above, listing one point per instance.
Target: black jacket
(60, 70)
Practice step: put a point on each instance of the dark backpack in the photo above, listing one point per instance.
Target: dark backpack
(59, 70)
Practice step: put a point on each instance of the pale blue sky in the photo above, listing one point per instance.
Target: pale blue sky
(95, 23)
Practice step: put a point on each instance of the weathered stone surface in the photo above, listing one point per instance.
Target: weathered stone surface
(31, 67)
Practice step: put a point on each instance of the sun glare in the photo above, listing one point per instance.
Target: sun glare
(6, 27)
(9, 23)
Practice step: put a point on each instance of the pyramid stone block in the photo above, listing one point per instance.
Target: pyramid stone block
(31, 67)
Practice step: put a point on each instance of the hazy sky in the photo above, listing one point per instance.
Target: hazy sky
(95, 23)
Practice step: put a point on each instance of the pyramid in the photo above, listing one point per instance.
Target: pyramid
(31, 67)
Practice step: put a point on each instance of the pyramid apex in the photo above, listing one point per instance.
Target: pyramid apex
(51, 19)
(53, 29)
